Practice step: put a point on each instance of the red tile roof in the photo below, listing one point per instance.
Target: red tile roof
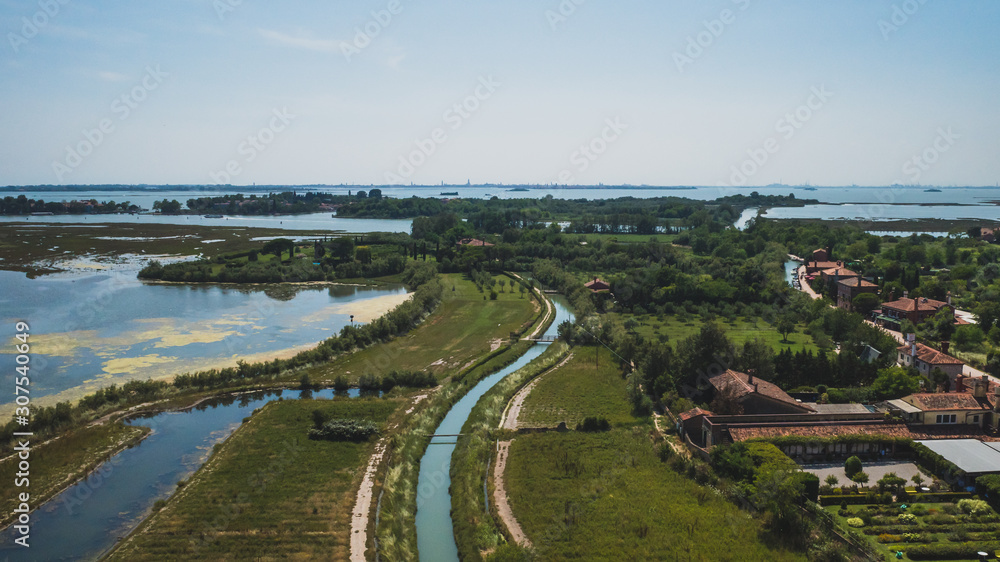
(693, 413)
(930, 355)
(856, 282)
(909, 305)
(742, 386)
(944, 401)
(820, 430)
(840, 272)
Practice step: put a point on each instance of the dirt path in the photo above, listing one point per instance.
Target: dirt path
(509, 419)
(549, 309)
(500, 497)
(363, 505)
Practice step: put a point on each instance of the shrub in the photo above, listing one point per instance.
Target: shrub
(974, 507)
(593, 424)
(856, 522)
(852, 466)
(907, 519)
(886, 538)
(945, 551)
(344, 430)
(918, 509)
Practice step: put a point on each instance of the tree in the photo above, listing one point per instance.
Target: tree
(890, 483)
(167, 207)
(895, 382)
(785, 326)
(832, 480)
(860, 478)
(342, 248)
(865, 303)
(852, 466)
(918, 480)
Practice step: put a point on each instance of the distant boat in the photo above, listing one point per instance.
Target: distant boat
(448, 193)
(809, 189)
(213, 216)
(932, 190)
(519, 189)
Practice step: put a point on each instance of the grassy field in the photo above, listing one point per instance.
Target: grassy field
(462, 329)
(268, 492)
(60, 462)
(654, 327)
(578, 389)
(883, 533)
(607, 496)
(631, 238)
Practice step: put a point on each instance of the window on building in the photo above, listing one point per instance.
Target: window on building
(947, 418)
(975, 419)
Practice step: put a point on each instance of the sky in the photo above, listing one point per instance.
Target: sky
(717, 92)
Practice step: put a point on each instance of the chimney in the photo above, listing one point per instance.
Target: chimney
(960, 383)
(912, 338)
(980, 389)
(944, 346)
(949, 298)
(840, 264)
(755, 388)
(906, 294)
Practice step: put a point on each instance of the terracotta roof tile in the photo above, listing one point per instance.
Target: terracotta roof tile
(909, 305)
(944, 401)
(930, 355)
(693, 413)
(856, 282)
(741, 385)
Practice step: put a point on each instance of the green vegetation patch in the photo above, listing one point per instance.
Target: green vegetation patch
(606, 496)
(579, 389)
(463, 328)
(268, 492)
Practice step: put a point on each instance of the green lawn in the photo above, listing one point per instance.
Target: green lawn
(268, 492)
(462, 329)
(654, 327)
(631, 238)
(606, 496)
(579, 389)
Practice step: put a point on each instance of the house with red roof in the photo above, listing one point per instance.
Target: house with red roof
(754, 395)
(915, 310)
(925, 359)
(851, 287)
(597, 286)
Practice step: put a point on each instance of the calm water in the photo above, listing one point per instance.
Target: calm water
(310, 222)
(435, 532)
(91, 330)
(89, 517)
(877, 212)
(852, 194)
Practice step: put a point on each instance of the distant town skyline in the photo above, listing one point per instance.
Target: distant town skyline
(729, 92)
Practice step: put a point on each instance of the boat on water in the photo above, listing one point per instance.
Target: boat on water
(519, 189)
(448, 193)
(932, 190)
(213, 216)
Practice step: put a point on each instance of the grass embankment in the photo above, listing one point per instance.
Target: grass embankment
(673, 328)
(58, 463)
(397, 532)
(607, 496)
(267, 492)
(475, 530)
(580, 388)
(462, 329)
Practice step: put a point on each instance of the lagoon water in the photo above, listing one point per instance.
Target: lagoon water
(435, 532)
(86, 519)
(92, 330)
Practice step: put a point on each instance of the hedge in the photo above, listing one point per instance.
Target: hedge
(949, 551)
(937, 497)
(851, 499)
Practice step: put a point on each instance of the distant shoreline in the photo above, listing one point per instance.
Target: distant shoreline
(154, 188)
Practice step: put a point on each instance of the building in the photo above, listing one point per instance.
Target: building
(837, 273)
(915, 310)
(755, 396)
(851, 287)
(472, 242)
(925, 359)
(946, 408)
(597, 286)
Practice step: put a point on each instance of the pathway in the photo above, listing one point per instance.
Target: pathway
(801, 273)
(363, 504)
(500, 496)
(549, 308)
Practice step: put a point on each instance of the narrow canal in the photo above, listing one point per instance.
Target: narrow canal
(435, 534)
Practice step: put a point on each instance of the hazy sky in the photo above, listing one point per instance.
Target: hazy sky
(748, 92)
